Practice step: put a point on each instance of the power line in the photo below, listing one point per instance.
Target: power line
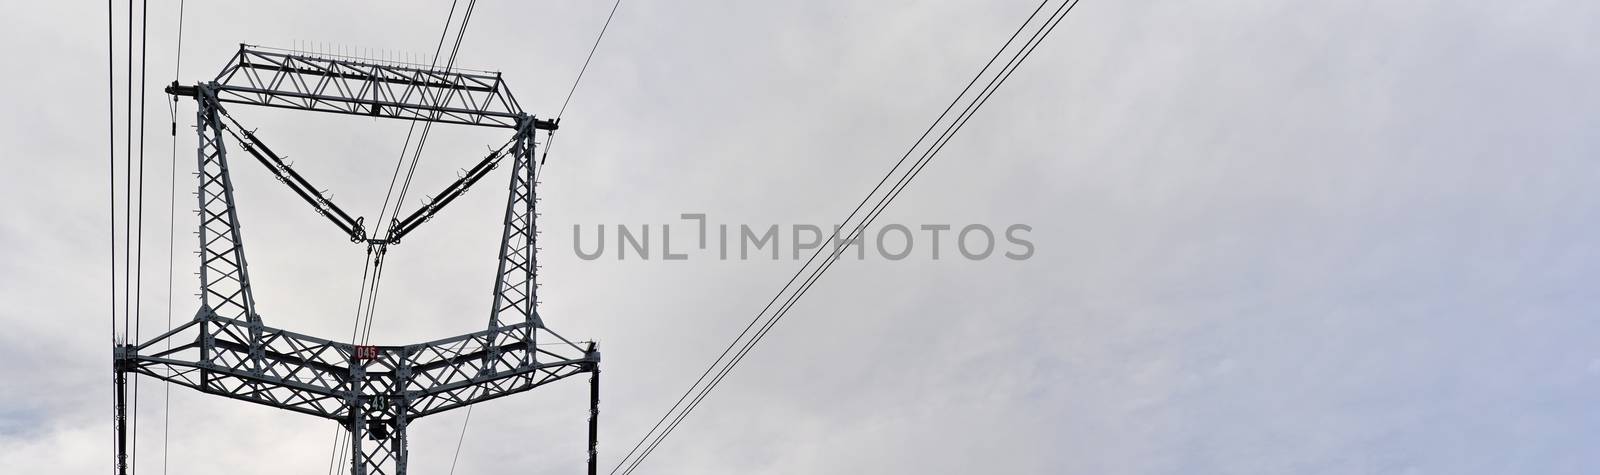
(370, 290)
(900, 186)
(431, 64)
(372, 298)
(334, 460)
(416, 153)
(374, 263)
(847, 219)
(172, 230)
(127, 185)
(459, 440)
(111, 176)
(1043, 30)
(585, 67)
(416, 156)
(468, 418)
(550, 140)
(138, 281)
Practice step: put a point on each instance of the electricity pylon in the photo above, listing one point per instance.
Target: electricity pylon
(374, 392)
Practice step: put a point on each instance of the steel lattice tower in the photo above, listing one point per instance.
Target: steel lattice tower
(374, 392)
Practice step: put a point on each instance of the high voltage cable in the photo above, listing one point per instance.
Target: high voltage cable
(852, 215)
(372, 305)
(872, 216)
(900, 186)
(132, 269)
(468, 417)
(138, 281)
(1005, 72)
(375, 262)
(127, 185)
(586, 60)
(172, 227)
(335, 457)
(460, 439)
(416, 152)
(549, 143)
(111, 175)
(431, 64)
(808, 262)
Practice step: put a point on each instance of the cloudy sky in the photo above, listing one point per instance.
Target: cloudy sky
(1271, 237)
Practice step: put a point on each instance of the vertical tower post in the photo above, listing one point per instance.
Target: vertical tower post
(514, 295)
(594, 409)
(515, 292)
(377, 418)
(378, 438)
(120, 410)
(224, 278)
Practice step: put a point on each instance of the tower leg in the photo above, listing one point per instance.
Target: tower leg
(594, 418)
(121, 411)
(378, 440)
(515, 292)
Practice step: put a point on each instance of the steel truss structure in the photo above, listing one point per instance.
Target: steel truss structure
(374, 392)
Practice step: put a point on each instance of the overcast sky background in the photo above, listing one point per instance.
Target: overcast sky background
(1271, 237)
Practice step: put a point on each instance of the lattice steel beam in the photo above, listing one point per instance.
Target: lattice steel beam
(267, 77)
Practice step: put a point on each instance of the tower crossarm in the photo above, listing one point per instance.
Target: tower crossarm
(303, 81)
(455, 372)
(324, 378)
(214, 354)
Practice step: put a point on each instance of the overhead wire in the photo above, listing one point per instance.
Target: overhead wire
(338, 441)
(127, 187)
(468, 417)
(550, 139)
(136, 285)
(981, 98)
(462, 438)
(373, 264)
(940, 144)
(416, 152)
(432, 63)
(370, 287)
(111, 176)
(138, 281)
(586, 60)
(784, 310)
(900, 186)
(847, 219)
(416, 155)
(172, 229)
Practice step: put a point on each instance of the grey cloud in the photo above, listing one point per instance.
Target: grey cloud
(1272, 237)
